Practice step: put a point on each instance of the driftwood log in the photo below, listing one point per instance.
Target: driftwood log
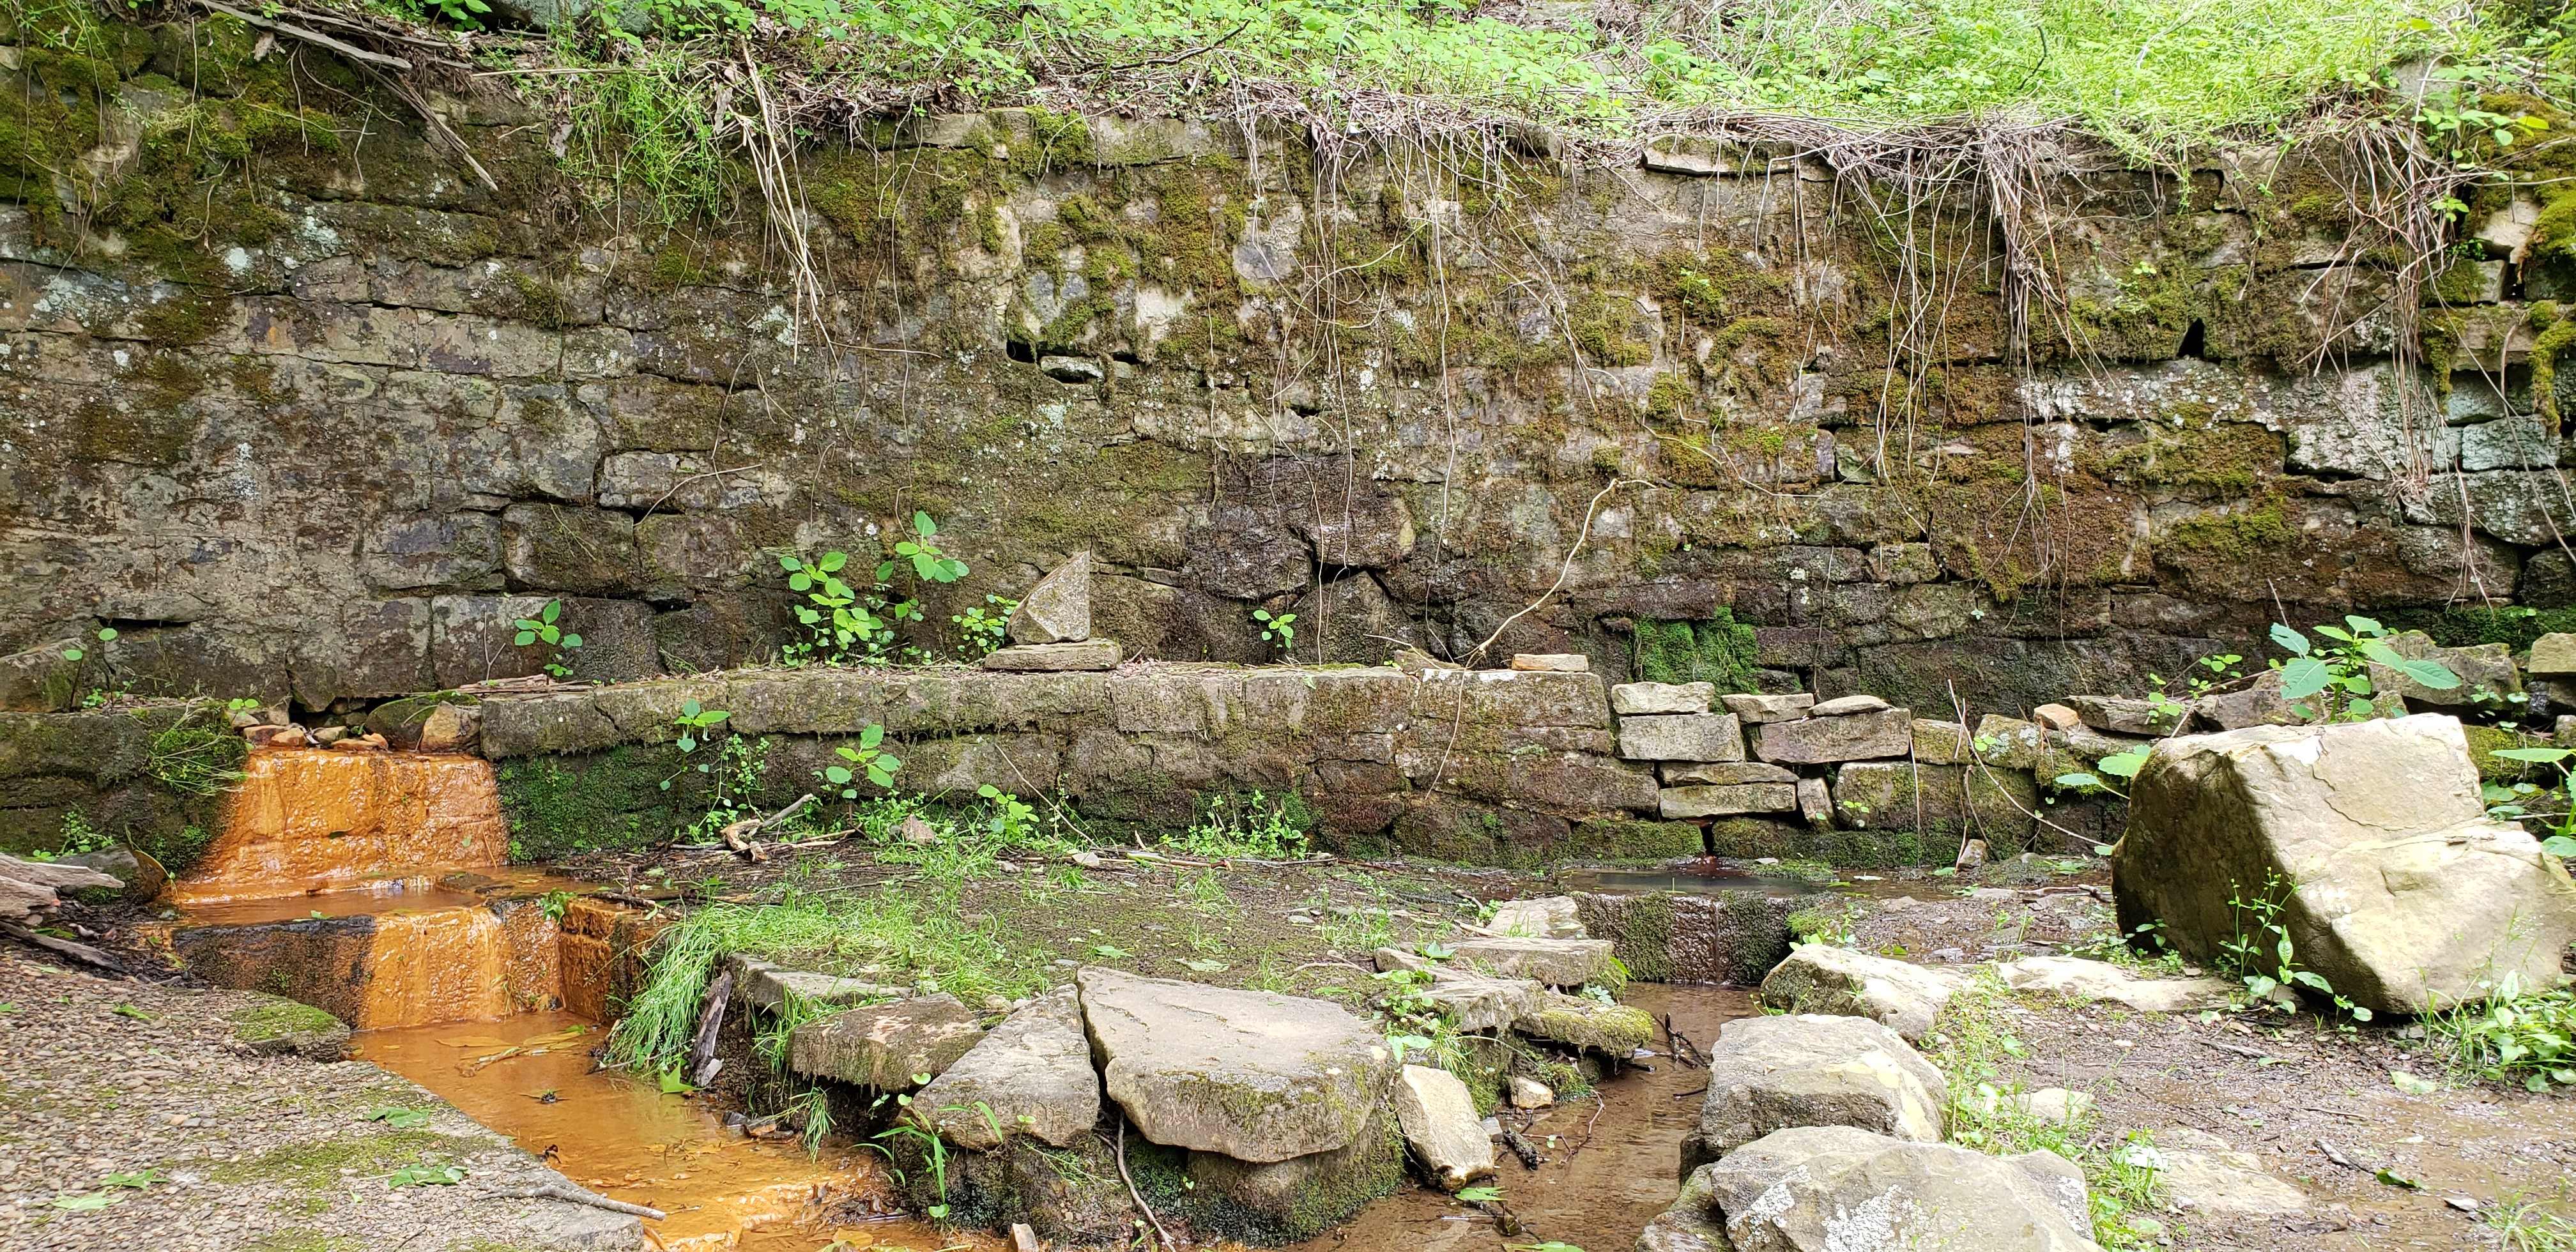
(28, 887)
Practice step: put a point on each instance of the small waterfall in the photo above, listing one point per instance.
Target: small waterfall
(305, 820)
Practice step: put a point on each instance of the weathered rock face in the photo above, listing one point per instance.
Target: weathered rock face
(1901, 996)
(1058, 609)
(1556, 962)
(2081, 979)
(1766, 1073)
(1256, 1077)
(1031, 1076)
(1440, 1125)
(489, 408)
(1837, 1188)
(2393, 883)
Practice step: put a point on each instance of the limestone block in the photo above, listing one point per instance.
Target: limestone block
(1482, 1003)
(1903, 563)
(1255, 1076)
(1627, 699)
(1439, 1120)
(1552, 662)
(1845, 706)
(2080, 979)
(1896, 994)
(2124, 715)
(1682, 737)
(1723, 773)
(2397, 887)
(1815, 802)
(1058, 609)
(1726, 801)
(1539, 917)
(1853, 737)
(1769, 1073)
(2486, 669)
(1054, 658)
(884, 1046)
(1031, 1076)
(1757, 709)
(2009, 742)
(1555, 962)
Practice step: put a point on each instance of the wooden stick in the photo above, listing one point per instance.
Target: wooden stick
(738, 836)
(711, 1011)
(571, 1194)
(310, 36)
(77, 951)
(1132, 1192)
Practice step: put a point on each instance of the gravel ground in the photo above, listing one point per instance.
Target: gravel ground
(237, 1150)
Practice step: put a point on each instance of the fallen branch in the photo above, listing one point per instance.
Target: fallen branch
(703, 1062)
(738, 836)
(2239, 1049)
(1683, 1049)
(77, 951)
(350, 51)
(1132, 1192)
(1521, 1147)
(571, 1194)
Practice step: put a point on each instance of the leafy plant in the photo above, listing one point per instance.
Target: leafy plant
(2562, 842)
(2262, 957)
(397, 1117)
(2339, 668)
(1280, 630)
(554, 904)
(1253, 826)
(984, 628)
(2123, 765)
(694, 718)
(866, 758)
(106, 634)
(546, 627)
(426, 1176)
(2529, 1035)
(838, 621)
(922, 553)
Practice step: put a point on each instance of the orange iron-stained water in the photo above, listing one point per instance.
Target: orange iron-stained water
(307, 820)
(630, 1141)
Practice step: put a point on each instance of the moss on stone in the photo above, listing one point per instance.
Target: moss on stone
(271, 1020)
(565, 805)
(1634, 840)
(1717, 649)
(2233, 535)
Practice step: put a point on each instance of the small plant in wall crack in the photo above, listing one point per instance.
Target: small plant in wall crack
(983, 628)
(1280, 631)
(846, 623)
(692, 723)
(866, 758)
(106, 634)
(546, 627)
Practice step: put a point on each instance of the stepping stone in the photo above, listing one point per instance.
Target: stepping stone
(1482, 1004)
(2080, 979)
(1252, 1075)
(762, 985)
(1031, 1076)
(1541, 917)
(1770, 1073)
(1556, 962)
(1840, 1188)
(883, 1047)
(1896, 994)
(1439, 1120)
(1613, 1030)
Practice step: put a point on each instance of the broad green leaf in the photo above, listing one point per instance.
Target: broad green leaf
(2078, 780)
(2124, 764)
(2290, 640)
(2432, 674)
(90, 1203)
(836, 775)
(922, 525)
(2363, 625)
(689, 708)
(571, 640)
(872, 736)
(832, 562)
(2303, 677)
(525, 638)
(2559, 846)
(2544, 756)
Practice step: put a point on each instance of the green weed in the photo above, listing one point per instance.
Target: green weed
(2531, 1036)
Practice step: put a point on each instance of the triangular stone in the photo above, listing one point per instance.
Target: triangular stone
(1058, 609)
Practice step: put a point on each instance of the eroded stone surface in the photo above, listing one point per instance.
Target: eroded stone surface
(1439, 1120)
(1843, 1189)
(1767, 1073)
(886, 1047)
(1058, 609)
(1901, 996)
(1556, 962)
(1031, 1076)
(1251, 1075)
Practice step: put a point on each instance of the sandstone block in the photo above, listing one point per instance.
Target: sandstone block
(2553, 655)
(1627, 699)
(1757, 709)
(1845, 706)
(1540, 917)
(1770, 1073)
(2484, 670)
(2124, 715)
(1723, 774)
(1552, 662)
(2009, 742)
(1439, 1120)
(1726, 801)
(1941, 743)
(1556, 962)
(2056, 717)
(1852, 737)
(1586, 1024)
(1031, 1076)
(2080, 979)
(2396, 886)
(1058, 609)
(1054, 658)
(1896, 994)
(1682, 737)
(884, 1046)
(1253, 1076)
(1482, 1003)
(1807, 1189)
(1815, 802)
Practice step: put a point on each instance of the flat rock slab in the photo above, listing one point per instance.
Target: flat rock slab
(1440, 1125)
(1054, 658)
(1031, 1076)
(1553, 662)
(2201, 1173)
(770, 987)
(1896, 994)
(1630, 699)
(1845, 706)
(1842, 1189)
(885, 1046)
(1585, 1024)
(1247, 1074)
(2081, 979)
(1484, 1004)
(1771, 1073)
(1724, 774)
(1540, 917)
(1556, 962)
(1682, 737)
(1850, 737)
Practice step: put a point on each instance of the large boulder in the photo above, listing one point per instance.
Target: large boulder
(1031, 1076)
(1842, 1189)
(1249, 1075)
(2393, 884)
(1769, 1073)
(1818, 978)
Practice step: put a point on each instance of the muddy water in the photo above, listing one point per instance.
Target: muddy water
(1611, 1162)
(629, 1141)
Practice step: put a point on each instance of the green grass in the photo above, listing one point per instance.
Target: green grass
(2528, 1038)
(1968, 1044)
(2522, 1224)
